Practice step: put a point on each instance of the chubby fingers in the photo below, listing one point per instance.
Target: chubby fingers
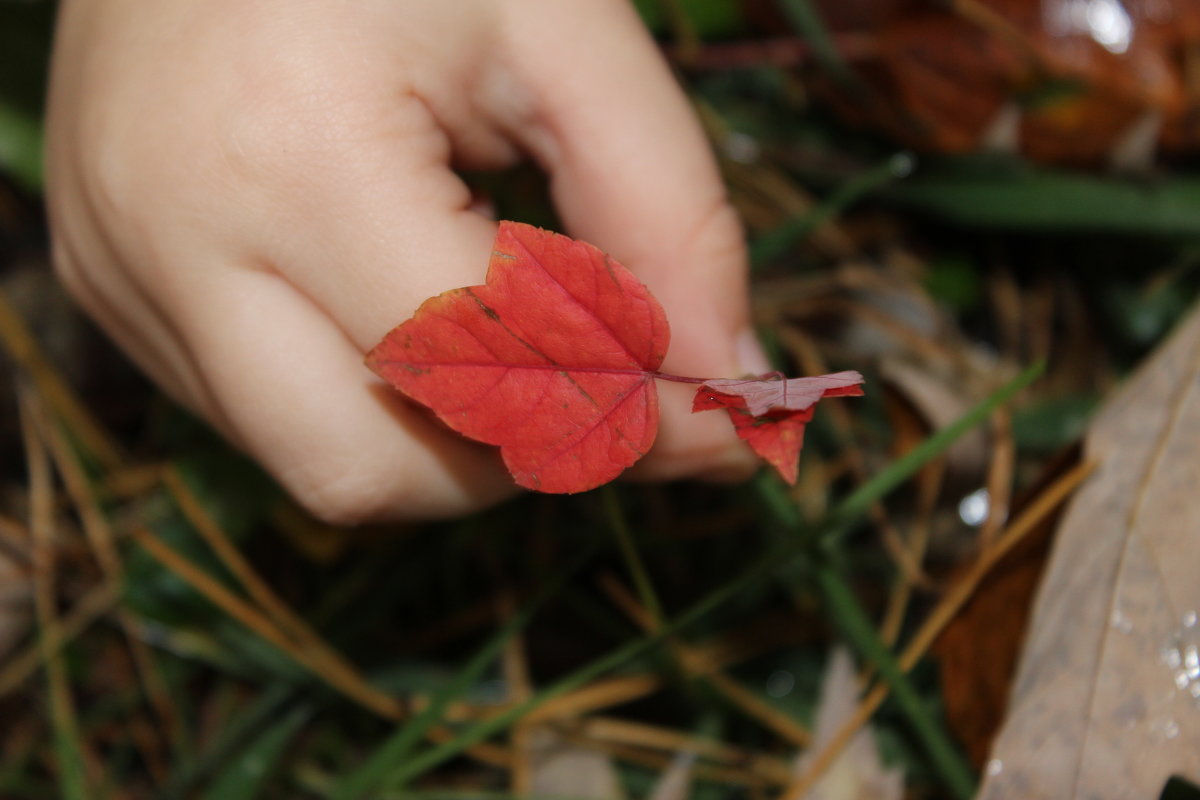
(351, 245)
(248, 220)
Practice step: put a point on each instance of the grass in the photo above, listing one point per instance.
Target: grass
(242, 758)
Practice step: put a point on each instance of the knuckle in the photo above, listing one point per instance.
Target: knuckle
(292, 125)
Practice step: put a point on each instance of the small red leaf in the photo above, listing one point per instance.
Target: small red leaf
(552, 359)
(770, 412)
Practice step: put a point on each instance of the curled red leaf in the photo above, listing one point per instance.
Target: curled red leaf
(770, 412)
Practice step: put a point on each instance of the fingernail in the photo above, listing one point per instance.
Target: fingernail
(751, 358)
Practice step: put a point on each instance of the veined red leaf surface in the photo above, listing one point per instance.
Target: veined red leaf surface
(770, 412)
(552, 359)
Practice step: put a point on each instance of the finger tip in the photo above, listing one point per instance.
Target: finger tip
(749, 353)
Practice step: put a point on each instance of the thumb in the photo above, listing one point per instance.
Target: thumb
(631, 172)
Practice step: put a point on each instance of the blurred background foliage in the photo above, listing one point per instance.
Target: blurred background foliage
(936, 193)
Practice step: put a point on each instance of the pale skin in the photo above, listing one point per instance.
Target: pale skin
(248, 194)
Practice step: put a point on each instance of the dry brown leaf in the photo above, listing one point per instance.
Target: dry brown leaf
(978, 650)
(858, 771)
(1107, 698)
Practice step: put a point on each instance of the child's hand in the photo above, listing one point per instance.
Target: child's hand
(248, 194)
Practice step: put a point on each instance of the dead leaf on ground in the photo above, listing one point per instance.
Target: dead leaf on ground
(978, 650)
(859, 771)
(1107, 698)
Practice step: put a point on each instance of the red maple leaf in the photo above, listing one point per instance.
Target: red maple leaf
(554, 359)
(770, 412)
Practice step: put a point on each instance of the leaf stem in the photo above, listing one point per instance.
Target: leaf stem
(552, 367)
(663, 376)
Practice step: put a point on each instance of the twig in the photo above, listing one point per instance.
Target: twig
(856, 626)
(658, 761)
(687, 42)
(100, 538)
(25, 352)
(783, 725)
(369, 697)
(669, 740)
(95, 604)
(811, 363)
(999, 476)
(928, 490)
(324, 659)
(69, 747)
(596, 695)
(515, 667)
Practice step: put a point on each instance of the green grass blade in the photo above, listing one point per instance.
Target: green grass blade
(844, 606)
(806, 20)
(381, 766)
(580, 677)
(232, 737)
(856, 626)
(629, 551)
(246, 777)
(835, 525)
(775, 242)
(988, 192)
(21, 147)
(72, 777)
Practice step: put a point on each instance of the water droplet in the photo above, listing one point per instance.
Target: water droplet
(994, 767)
(780, 683)
(902, 165)
(1120, 622)
(1105, 21)
(1181, 655)
(1170, 657)
(973, 509)
(1170, 729)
